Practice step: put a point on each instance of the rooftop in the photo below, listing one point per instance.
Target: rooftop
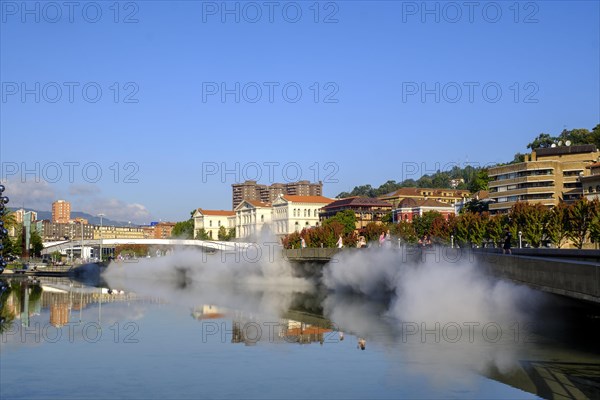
(551, 151)
(307, 199)
(225, 213)
(358, 202)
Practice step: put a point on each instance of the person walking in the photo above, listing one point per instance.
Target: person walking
(507, 240)
(340, 242)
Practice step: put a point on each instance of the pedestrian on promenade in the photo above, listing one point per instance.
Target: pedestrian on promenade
(507, 240)
(340, 242)
(302, 243)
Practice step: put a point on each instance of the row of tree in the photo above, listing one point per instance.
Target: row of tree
(578, 223)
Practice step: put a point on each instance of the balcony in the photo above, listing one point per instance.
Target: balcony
(522, 179)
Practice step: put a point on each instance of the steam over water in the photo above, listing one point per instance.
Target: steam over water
(438, 313)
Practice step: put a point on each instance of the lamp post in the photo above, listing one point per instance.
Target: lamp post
(452, 241)
(520, 239)
(101, 215)
(81, 223)
(71, 241)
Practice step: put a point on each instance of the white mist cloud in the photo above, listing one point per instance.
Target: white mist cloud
(442, 317)
(191, 278)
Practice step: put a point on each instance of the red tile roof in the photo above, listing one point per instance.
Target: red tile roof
(358, 202)
(224, 213)
(308, 199)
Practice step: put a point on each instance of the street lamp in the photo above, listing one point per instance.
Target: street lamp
(71, 241)
(101, 215)
(520, 239)
(82, 259)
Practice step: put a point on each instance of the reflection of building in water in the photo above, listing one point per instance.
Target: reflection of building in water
(250, 331)
(59, 314)
(207, 312)
(303, 333)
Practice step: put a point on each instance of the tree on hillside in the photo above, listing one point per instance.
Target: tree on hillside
(479, 181)
(475, 206)
(542, 141)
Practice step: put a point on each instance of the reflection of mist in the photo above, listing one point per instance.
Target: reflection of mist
(360, 316)
(443, 317)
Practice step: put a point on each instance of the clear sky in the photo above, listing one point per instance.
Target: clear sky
(161, 98)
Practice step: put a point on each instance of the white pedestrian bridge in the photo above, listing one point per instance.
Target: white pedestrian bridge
(208, 245)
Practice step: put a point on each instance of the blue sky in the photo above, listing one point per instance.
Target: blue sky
(399, 86)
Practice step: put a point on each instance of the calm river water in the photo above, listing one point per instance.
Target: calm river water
(174, 335)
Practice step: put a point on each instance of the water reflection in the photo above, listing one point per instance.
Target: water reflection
(533, 359)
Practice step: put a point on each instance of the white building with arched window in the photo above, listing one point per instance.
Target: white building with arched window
(294, 213)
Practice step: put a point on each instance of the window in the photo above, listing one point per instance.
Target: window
(210, 224)
(305, 213)
(219, 223)
(262, 218)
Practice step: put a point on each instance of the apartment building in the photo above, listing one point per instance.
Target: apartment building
(251, 190)
(547, 176)
(591, 183)
(61, 211)
(56, 231)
